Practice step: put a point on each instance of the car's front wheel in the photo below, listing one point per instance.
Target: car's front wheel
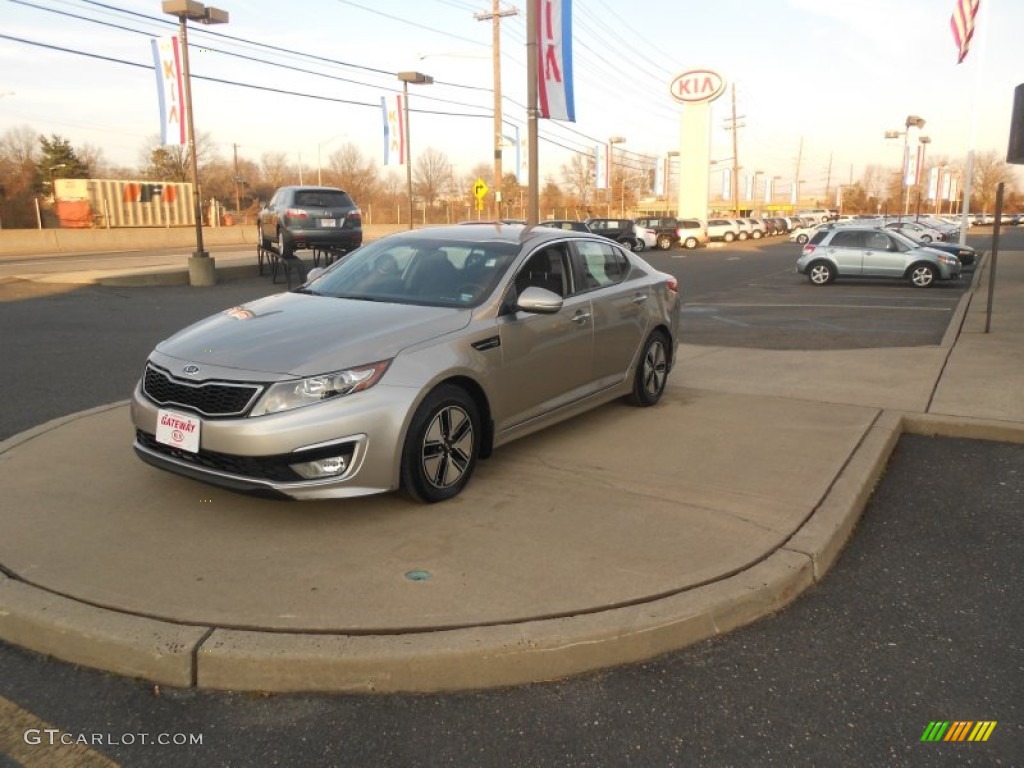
(664, 242)
(651, 371)
(690, 243)
(442, 445)
(923, 275)
(801, 239)
(821, 273)
(729, 237)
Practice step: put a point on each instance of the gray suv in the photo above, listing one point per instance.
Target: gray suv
(871, 252)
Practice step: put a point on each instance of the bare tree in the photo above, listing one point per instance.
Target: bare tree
(355, 173)
(433, 169)
(578, 175)
(989, 171)
(276, 169)
(19, 155)
(172, 162)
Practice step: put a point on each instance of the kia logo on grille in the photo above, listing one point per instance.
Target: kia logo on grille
(190, 370)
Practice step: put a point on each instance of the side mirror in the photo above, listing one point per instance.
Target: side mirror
(539, 301)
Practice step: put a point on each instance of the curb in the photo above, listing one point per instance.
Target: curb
(208, 657)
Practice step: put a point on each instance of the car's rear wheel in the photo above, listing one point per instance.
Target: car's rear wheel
(284, 249)
(690, 243)
(442, 446)
(821, 273)
(651, 372)
(729, 237)
(639, 245)
(756, 235)
(664, 242)
(926, 238)
(923, 275)
(742, 236)
(801, 239)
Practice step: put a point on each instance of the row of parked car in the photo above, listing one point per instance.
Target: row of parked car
(665, 232)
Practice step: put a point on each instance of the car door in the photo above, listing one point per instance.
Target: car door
(546, 358)
(883, 257)
(619, 303)
(846, 249)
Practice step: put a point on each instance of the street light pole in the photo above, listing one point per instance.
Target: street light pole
(201, 268)
(406, 78)
(913, 121)
(924, 141)
(611, 172)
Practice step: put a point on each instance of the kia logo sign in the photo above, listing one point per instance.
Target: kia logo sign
(696, 86)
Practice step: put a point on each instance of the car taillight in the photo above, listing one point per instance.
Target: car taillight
(809, 248)
(296, 213)
(672, 283)
(355, 216)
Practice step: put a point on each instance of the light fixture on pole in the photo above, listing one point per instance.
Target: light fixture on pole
(612, 141)
(912, 121)
(420, 79)
(201, 270)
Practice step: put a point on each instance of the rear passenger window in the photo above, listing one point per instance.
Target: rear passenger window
(603, 264)
(848, 239)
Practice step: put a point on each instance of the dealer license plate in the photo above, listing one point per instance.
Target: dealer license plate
(178, 430)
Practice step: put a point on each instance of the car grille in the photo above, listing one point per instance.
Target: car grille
(272, 468)
(210, 398)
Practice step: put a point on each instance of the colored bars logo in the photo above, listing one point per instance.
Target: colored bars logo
(958, 730)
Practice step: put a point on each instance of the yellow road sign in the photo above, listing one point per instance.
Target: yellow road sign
(480, 189)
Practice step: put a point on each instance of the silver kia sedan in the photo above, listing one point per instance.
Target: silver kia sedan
(403, 364)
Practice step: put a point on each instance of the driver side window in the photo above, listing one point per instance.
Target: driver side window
(544, 269)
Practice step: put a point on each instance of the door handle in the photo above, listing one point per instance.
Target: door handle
(640, 298)
(580, 317)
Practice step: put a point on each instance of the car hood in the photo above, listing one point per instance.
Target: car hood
(303, 335)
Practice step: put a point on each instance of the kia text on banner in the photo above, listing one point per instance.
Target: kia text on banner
(394, 129)
(167, 62)
(554, 49)
(962, 25)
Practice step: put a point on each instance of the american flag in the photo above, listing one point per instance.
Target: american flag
(962, 24)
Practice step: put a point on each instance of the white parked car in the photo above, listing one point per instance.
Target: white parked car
(646, 238)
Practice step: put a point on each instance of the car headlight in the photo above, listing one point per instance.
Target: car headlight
(286, 395)
(951, 260)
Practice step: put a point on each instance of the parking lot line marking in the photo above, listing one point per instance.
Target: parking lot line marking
(15, 722)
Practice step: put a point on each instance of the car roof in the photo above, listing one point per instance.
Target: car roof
(474, 232)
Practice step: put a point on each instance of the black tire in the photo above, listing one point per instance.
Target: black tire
(442, 445)
(926, 238)
(742, 236)
(690, 243)
(639, 246)
(820, 273)
(923, 275)
(728, 237)
(264, 241)
(651, 371)
(284, 249)
(801, 239)
(664, 242)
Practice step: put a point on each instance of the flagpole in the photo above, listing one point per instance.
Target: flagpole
(978, 74)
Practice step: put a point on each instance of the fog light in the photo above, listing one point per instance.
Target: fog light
(327, 467)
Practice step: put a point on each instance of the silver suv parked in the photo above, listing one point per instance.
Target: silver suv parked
(723, 229)
(872, 252)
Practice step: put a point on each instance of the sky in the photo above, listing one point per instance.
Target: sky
(817, 82)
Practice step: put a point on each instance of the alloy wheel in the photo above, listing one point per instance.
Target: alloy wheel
(447, 447)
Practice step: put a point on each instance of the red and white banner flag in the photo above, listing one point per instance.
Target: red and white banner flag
(962, 24)
(394, 129)
(169, 89)
(554, 67)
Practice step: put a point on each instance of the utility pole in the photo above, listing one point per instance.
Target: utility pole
(238, 199)
(495, 16)
(734, 126)
(796, 178)
(828, 179)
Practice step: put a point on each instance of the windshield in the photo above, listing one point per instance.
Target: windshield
(403, 270)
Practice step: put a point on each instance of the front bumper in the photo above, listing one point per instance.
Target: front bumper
(253, 455)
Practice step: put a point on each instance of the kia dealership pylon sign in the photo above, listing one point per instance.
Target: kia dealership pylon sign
(697, 86)
(693, 91)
